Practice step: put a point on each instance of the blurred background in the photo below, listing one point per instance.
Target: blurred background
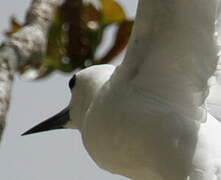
(51, 155)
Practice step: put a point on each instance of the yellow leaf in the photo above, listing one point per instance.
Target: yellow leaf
(112, 12)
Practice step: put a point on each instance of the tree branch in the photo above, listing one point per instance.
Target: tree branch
(27, 46)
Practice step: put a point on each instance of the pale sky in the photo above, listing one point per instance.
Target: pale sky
(56, 155)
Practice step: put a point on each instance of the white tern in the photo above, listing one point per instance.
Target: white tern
(147, 119)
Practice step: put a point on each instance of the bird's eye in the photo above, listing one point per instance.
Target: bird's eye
(72, 82)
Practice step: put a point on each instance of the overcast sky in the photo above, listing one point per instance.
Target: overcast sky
(58, 155)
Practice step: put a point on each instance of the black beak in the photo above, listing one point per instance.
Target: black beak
(55, 122)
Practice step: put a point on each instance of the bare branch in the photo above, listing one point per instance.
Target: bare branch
(24, 47)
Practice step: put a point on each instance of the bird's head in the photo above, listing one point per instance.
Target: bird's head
(84, 86)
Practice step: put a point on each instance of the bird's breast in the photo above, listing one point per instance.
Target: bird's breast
(134, 138)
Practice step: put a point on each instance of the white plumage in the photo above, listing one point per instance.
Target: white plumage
(147, 119)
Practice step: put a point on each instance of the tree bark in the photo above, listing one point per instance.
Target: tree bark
(26, 46)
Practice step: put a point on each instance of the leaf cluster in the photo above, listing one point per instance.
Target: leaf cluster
(76, 34)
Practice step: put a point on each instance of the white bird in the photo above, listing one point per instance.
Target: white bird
(146, 119)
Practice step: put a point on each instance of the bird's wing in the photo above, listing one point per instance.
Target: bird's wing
(169, 61)
(213, 101)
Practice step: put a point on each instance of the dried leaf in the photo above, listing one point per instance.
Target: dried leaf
(14, 26)
(122, 38)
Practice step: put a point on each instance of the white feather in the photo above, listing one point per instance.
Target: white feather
(147, 119)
